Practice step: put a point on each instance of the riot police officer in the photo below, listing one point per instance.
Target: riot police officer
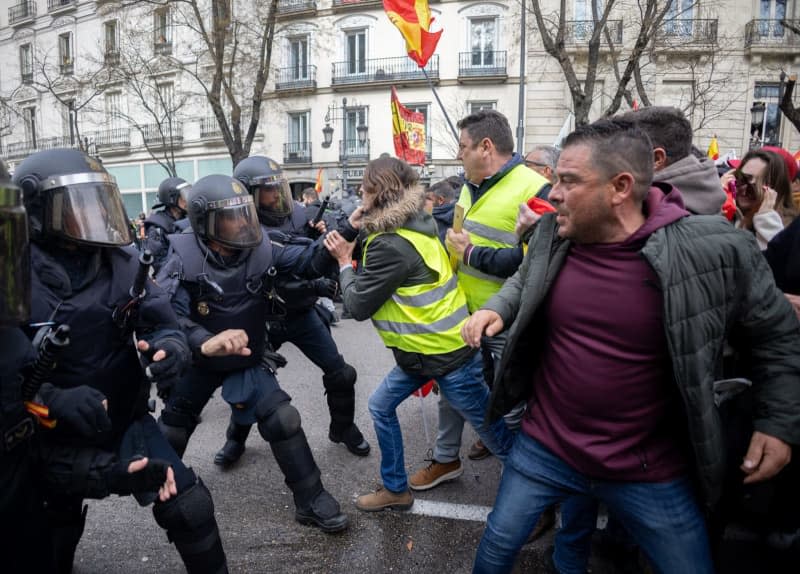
(83, 269)
(285, 221)
(221, 278)
(169, 217)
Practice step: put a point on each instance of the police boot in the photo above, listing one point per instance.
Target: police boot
(234, 447)
(313, 504)
(341, 395)
(190, 524)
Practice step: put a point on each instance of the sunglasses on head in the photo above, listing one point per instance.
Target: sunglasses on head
(745, 184)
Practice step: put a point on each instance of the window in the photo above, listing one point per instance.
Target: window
(768, 133)
(298, 145)
(166, 97)
(584, 18)
(478, 106)
(67, 129)
(353, 118)
(771, 10)
(162, 31)
(678, 20)
(65, 52)
(482, 34)
(114, 110)
(29, 119)
(26, 63)
(111, 37)
(298, 57)
(356, 51)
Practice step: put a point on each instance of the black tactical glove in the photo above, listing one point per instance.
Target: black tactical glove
(79, 409)
(325, 287)
(167, 371)
(149, 479)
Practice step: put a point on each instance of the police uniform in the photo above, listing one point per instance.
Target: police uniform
(162, 223)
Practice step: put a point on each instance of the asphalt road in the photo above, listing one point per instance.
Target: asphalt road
(254, 507)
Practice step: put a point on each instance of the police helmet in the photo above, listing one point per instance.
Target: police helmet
(264, 178)
(15, 272)
(69, 195)
(170, 191)
(220, 209)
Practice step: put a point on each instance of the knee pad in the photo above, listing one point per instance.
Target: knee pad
(342, 380)
(281, 424)
(190, 511)
(177, 436)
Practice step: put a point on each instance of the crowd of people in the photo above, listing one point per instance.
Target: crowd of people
(617, 319)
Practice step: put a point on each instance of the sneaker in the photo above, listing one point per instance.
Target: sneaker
(324, 513)
(435, 474)
(352, 439)
(229, 454)
(383, 499)
(478, 451)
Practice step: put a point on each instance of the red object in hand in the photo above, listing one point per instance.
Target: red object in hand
(424, 390)
(729, 207)
(540, 206)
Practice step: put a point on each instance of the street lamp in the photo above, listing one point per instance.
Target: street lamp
(758, 120)
(362, 132)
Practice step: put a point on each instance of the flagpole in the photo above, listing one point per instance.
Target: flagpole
(435, 95)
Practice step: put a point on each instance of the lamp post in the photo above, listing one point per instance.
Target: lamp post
(362, 130)
(758, 123)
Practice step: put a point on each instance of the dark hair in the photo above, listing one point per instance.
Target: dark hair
(489, 124)
(667, 127)
(617, 145)
(387, 178)
(775, 176)
(447, 188)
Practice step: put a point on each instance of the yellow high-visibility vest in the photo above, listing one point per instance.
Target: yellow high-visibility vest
(426, 318)
(490, 222)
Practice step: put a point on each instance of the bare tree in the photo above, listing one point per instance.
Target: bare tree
(787, 106)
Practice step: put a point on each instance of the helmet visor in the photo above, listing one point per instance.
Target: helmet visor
(273, 195)
(89, 211)
(234, 222)
(15, 273)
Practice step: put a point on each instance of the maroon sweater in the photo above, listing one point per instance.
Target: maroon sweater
(604, 400)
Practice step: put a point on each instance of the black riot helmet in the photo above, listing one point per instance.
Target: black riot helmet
(264, 178)
(69, 195)
(15, 270)
(221, 210)
(170, 191)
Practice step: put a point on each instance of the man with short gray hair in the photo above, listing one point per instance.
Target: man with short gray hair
(543, 160)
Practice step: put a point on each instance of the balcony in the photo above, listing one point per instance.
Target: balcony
(687, 35)
(19, 150)
(341, 5)
(486, 66)
(162, 48)
(67, 68)
(27, 78)
(297, 78)
(111, 57)
(297, 152)
(22, 13)
(209, 128)
(296, 8)
(383, 72)
(159, 135)
(770, 37)
(60, 6)
(353, 150)
(578, 33)
(116, 138)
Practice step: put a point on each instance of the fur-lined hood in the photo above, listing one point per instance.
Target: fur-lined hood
(398, 213)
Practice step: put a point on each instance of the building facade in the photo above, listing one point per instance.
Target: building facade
(127, 82)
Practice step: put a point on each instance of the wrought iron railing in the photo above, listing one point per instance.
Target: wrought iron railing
(111, 57)
(296, 78)
(294, 6)
(166, 134)
(56, 5)
(297, 152)
(771, 33)
(21, 12)
(162, 48)
(354, 3)
(27, 77)
(680, 32)
(579, 32)
(353, 150)
(115, 137)
(209, 128)
(67, 68)
(482, 63)
(378, 70)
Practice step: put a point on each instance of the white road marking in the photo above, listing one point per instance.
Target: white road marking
(450, 510)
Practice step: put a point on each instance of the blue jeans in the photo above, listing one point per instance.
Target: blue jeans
(662, 517)
(466, 390)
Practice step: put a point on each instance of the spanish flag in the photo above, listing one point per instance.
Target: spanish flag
(413, 19)
(713, 149)
(318, 184)
(408, 132)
